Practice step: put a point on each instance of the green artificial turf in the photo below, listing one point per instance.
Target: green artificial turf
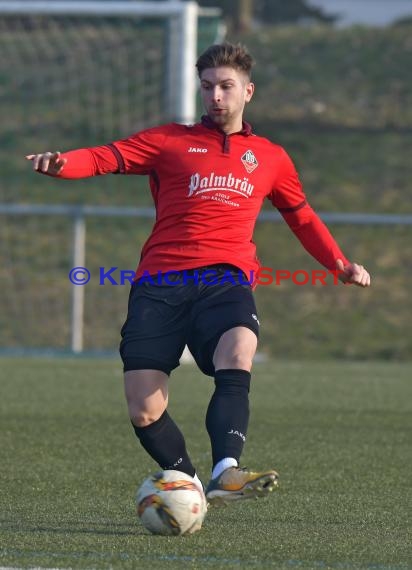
(337, 433)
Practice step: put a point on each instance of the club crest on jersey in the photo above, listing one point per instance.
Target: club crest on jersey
(249, 161)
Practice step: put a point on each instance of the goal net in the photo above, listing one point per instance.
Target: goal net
(75, 74)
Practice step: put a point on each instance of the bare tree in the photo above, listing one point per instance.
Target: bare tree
(243, 15)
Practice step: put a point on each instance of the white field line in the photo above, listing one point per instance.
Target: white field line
(294, 563)
(31, 568)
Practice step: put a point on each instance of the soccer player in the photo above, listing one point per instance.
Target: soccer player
(197, 270)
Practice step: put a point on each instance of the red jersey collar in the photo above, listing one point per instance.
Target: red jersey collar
(209, 124)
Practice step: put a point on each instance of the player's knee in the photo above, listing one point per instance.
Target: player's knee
(235, 359)
(142, 416)
(144, 410)
(146, 394)
(236, 349)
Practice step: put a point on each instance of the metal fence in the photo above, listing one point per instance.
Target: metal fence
(76, 216)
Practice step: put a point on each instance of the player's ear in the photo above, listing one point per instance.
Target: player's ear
(250, 89)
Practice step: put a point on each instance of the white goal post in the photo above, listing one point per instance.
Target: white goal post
(75, 74)
(182, 48)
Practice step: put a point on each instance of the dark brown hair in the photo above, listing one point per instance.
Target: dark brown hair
(226, 55)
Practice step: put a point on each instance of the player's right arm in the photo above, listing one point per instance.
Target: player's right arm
(135, 155)
(80, 163)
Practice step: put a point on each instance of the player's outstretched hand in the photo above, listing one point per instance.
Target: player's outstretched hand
(353, 273)
(47, 162)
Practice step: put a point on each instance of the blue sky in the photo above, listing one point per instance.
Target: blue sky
(371, 12)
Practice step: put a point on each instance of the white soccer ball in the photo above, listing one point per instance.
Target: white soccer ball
(170, 503)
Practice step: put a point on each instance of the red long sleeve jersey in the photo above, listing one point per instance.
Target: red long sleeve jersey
(208, 189)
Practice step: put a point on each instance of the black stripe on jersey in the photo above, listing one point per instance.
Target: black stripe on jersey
(119, 158)
(294, 209)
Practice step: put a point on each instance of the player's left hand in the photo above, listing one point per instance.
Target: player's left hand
(353, 273)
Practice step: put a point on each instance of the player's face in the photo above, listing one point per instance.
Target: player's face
(225, 91)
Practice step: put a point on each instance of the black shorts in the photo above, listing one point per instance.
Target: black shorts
(163, 318)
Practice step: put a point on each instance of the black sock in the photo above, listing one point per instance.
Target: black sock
(227, 416)
(164, 442)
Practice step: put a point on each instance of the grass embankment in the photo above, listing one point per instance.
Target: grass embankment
(339, 101)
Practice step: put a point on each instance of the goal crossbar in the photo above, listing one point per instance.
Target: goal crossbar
(76, 7)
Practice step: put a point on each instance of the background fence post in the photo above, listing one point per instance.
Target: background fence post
(78, 291)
